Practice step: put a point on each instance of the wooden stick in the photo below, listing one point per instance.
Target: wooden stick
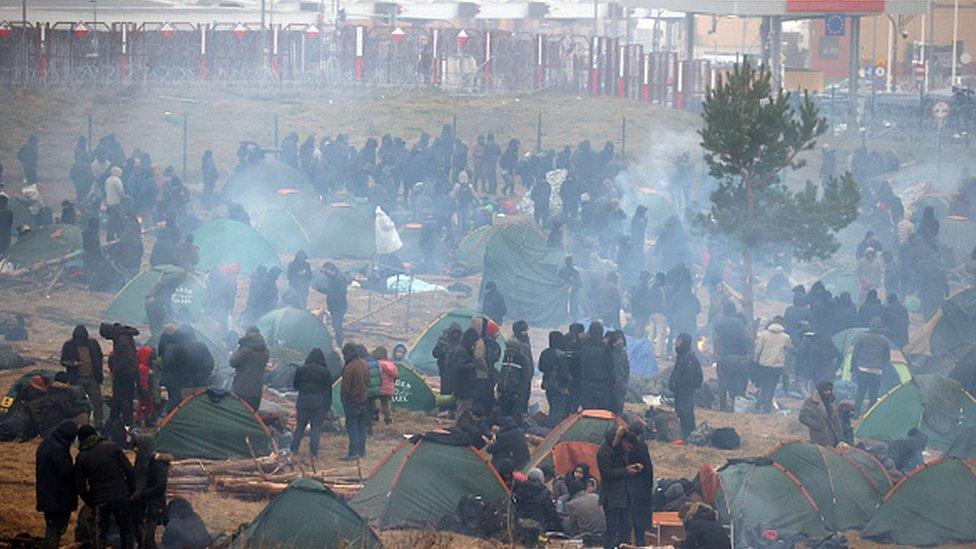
(250, 449)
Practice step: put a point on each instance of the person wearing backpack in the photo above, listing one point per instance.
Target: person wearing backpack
(686, 378)
(510, 379)
(556, 377)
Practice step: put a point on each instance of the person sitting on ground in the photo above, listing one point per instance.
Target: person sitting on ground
(509, 443)
(185, 529)
(906, 453)
(533, 501)
(584, 516)
(702, 528)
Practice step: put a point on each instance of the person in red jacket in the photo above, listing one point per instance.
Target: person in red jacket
(388, 378)
(146, 406)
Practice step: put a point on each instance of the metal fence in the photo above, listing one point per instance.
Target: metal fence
(86, 54)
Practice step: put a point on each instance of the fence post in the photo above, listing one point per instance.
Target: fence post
(276, 131)
(91, 146)
(185, 140)
(623, 138)
(538, 134)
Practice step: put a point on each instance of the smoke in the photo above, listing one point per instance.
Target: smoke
(647, 181)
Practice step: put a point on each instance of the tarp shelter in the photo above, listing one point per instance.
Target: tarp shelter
(964, 447)
(845, 494)
(845, 340)
(843, 279)
(271, 182)
(421, 351)
(129, 305)
(213, 425)
(307, 514)
(585, 426)
(470, 251)
(938, 406)
(520, 262)
(345, 230)
(44, 243)
(226, 242)
(282, 230)
(640, 356)
(412, 392)
(934, 504)
(760, 493)
(958, 234)
(422, 481)
(952, 325)
(23, 381)
(295, 329)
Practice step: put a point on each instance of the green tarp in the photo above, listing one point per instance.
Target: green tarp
(522, 265)
(45, 243)
(412, 392)
(846, 496)
(23, 381)
(935, 504)
(470, 250)
(423, 481)
(759, 494)
(938, 406)
(346, 231)
(420, 354)
(129, 305)
(585, 426)
(282, 230)
(226, 242)
(307, 514)
(213, 428)
(295, 329)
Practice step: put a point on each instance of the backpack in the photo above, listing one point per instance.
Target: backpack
(375, 377)
(510, 378)
(725, 438)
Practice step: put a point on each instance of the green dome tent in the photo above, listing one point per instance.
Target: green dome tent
(213, 427)
(307, 514)
(282, 230)
(44, 243)
(420, 354)
(271, 182)
(346, 231)
(845, 494)
(586, 426)
(412, 392)
(760, 493)
(522, 265)
(938, 406)
(225, 242)
(422, 481)
(964, 447)
(129, 305)
(934, 504)
(869, 466)
(952, 325)
(23, 381)
(295, 329)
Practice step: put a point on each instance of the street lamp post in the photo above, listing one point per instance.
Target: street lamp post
(955, 40)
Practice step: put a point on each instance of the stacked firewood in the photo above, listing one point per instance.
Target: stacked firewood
(254, 479)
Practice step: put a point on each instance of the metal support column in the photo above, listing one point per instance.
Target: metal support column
(775, 47)
(688, 76)
(855, 63)
(764, 41)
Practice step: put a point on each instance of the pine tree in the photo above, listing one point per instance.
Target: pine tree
(750, 134)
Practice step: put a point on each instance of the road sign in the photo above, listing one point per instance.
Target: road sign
(879, 72)
(940, 110)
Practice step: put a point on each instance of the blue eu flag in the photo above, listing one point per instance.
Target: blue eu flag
(835, 24)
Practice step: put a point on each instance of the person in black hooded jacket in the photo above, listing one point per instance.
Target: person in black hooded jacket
(686, 378)
(124, 365)
(54, 486)
(640, 486)
(314, 385)
(509, 443)
(149, 499)
(82, 359)
(596, 371)
(105, 480)
(702, 529)
(194, 361)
